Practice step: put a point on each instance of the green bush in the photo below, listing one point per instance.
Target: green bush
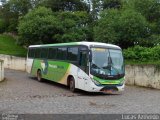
(142, 54)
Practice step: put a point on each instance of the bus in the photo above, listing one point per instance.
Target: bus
(89, 66)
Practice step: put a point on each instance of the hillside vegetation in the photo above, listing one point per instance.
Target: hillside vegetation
(142, 55)
(134, 25)
(8, 46)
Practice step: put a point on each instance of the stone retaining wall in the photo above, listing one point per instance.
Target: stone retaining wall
(12, 62)
(143, 75)
(1, 70)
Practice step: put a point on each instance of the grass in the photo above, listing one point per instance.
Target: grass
(8, 46)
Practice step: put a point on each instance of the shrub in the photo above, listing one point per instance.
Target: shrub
(142, 54)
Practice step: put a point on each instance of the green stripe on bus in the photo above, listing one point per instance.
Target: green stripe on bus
(102, 81)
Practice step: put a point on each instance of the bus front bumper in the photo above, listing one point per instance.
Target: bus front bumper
(107, 88)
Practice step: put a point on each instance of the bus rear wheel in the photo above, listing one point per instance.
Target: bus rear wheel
(39, 75)
(72, 84)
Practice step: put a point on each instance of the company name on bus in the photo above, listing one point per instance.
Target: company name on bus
(56, 66)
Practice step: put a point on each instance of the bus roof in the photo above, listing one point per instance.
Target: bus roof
(78, 43)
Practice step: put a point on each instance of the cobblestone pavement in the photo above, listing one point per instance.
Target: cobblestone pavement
(22, 94)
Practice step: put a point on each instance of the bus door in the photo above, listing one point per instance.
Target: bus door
(83, 60)
(83, 67)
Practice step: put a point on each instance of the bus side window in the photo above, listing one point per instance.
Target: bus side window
(52, 53)
(31, 53)
(83, 58)
(72, 53)
(44, 53)
(61, 53)
(83, 61)
(37, 53)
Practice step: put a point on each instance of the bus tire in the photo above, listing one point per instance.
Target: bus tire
(72, 84)
(39, 75)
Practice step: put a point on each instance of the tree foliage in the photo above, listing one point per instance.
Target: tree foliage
(42, 26)
(122, 22)
(74, 26)
(105, 30)
(116, 4)
(12, 10)
(149, 8)
(66, 5)
(38, 26)
(124, 28)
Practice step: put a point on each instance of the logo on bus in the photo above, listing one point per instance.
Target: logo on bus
(44, 65)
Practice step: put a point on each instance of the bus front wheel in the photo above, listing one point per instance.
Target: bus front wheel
(72, 84)
(39, 75)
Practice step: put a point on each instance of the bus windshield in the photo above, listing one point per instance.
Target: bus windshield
(107, 63)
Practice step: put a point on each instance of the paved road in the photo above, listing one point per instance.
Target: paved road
(22, 94)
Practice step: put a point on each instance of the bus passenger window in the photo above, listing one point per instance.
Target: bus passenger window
(83, 59)
(38, 53)
(72, 53)
(61, 53)
(44, 53)
(52, 53)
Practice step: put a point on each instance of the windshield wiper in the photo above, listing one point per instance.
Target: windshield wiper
(110, 64)
(95, 66)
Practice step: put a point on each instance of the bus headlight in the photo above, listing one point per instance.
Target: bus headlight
(96, 82)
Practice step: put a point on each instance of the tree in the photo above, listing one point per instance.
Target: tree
(132, 28)
(66, 5)
(124, 28)
(11, 11)
(108, 4)
(38, 26)
(96, 7)
(74, 27)
(150, 9)
(105, 30)
(21, 7)
(99, 5)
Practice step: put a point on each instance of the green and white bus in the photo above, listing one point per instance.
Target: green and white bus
(89, 66)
